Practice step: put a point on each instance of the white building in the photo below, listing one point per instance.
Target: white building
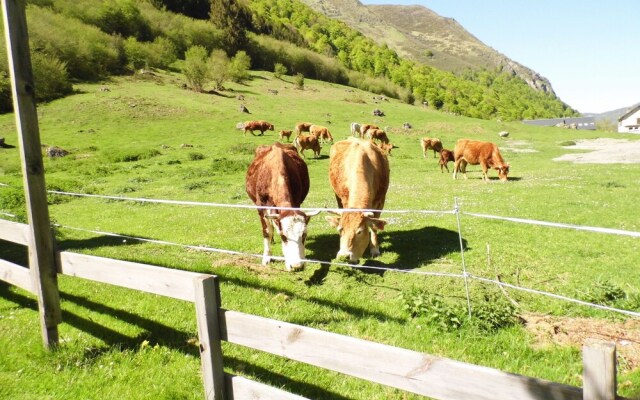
(629, 122)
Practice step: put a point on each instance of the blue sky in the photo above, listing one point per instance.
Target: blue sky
(588, 49)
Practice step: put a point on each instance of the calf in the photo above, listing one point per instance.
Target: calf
(355, 129)
(285, 133)
(365, 127)
(278, 177)
(305, 142)
(430, 143)
(259, 125)
(445, 157)
(476, 152)
(359, 176)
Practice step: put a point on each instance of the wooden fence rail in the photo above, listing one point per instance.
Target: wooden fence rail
(404, 369)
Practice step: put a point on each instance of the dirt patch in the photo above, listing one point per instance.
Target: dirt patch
(604, 151)
(562, 331)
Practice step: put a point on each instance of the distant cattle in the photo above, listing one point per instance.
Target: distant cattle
(355, 129)
(359, 176)
(278, 177)
(445, 157)
(285, 133)
(321, 132)
(430, 144)
(306, 142)
(476, 152)
(377, 134)
(257, 126)
(303, 127)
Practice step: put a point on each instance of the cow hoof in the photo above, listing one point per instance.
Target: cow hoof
(266, 260)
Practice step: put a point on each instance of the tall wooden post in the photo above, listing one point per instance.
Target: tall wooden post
(599, 373)
(41, 252)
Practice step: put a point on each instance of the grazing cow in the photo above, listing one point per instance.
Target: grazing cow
(359, 176)
(257, 126)
(365, 127)
(476, 152)
(305, 142)
(430, 143)
(285, 133)
(355, 129)
(303, 127)
(377, 134)
(445, 157)
(278, 177)
(321, 132)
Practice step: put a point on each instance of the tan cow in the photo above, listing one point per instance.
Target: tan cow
(321, 132)
(445, 157)
(302, 127)
(278, 177)
(430, 144)
(359, 176)
(285, 133)
(377, 134)
(386, 147)
(365, 127)
(259, 125)
(476, 152)
(305, 142)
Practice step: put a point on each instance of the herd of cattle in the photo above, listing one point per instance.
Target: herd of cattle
(277, 181)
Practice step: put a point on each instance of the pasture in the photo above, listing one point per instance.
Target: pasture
(146, 137)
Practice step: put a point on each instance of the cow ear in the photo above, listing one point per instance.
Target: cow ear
(377, 224)
(334, 221)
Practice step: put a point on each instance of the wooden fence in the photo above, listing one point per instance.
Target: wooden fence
(408, 370)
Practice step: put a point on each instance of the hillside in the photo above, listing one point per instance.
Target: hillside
(424, 36)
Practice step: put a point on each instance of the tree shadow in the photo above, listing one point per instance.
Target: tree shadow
(96, 242)
(6, 146)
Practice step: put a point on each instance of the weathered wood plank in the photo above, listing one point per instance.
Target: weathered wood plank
(240, 388)
(408, 370)
(16, 275)
(14, 232)
(162, 281)
(41, 252)
(207, 309)
(599, 372)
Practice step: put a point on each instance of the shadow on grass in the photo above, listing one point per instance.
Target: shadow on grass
(15, 253)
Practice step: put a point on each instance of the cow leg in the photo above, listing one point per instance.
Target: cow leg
(456, 168)
(434, 153)
(374, 247)
(485, 168)
(267, 237)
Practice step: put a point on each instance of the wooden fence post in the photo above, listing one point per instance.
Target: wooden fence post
(599, 373)
(41, 252)
(207, 299)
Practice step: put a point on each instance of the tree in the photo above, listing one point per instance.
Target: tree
(234, 20)
(195, 67)
(279, 70)
(218, 64)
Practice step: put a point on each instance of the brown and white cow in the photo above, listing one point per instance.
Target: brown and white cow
(307, 142)
(278, 177)
(476, 152)
(259, 125)
(445, 157)
(302, 127)
(430, 144)
(321, 132)
(359, 176)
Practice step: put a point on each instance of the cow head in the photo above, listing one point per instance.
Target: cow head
(356, 230)
(292, 228)
(503, 171)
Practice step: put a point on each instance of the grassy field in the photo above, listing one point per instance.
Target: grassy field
(146, 137)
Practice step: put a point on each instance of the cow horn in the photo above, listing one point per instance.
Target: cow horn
(368, 214)
(313, 213)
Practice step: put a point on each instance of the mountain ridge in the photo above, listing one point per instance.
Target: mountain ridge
(422, 35)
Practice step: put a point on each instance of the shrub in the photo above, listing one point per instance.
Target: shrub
(239, 67)
(123, 17)
(279, 70)
(194, 156)
(159, 54)
(50, 77)
(218, 65)
(195, 67)
(133, 155)
(493, 313)
(604, 292)
(420, 303)
(299, 80)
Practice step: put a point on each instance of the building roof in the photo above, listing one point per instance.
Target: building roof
(630, 112)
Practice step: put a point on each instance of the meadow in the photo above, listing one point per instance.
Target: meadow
(148, 137)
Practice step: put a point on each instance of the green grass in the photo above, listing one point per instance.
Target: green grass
(128, 142)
